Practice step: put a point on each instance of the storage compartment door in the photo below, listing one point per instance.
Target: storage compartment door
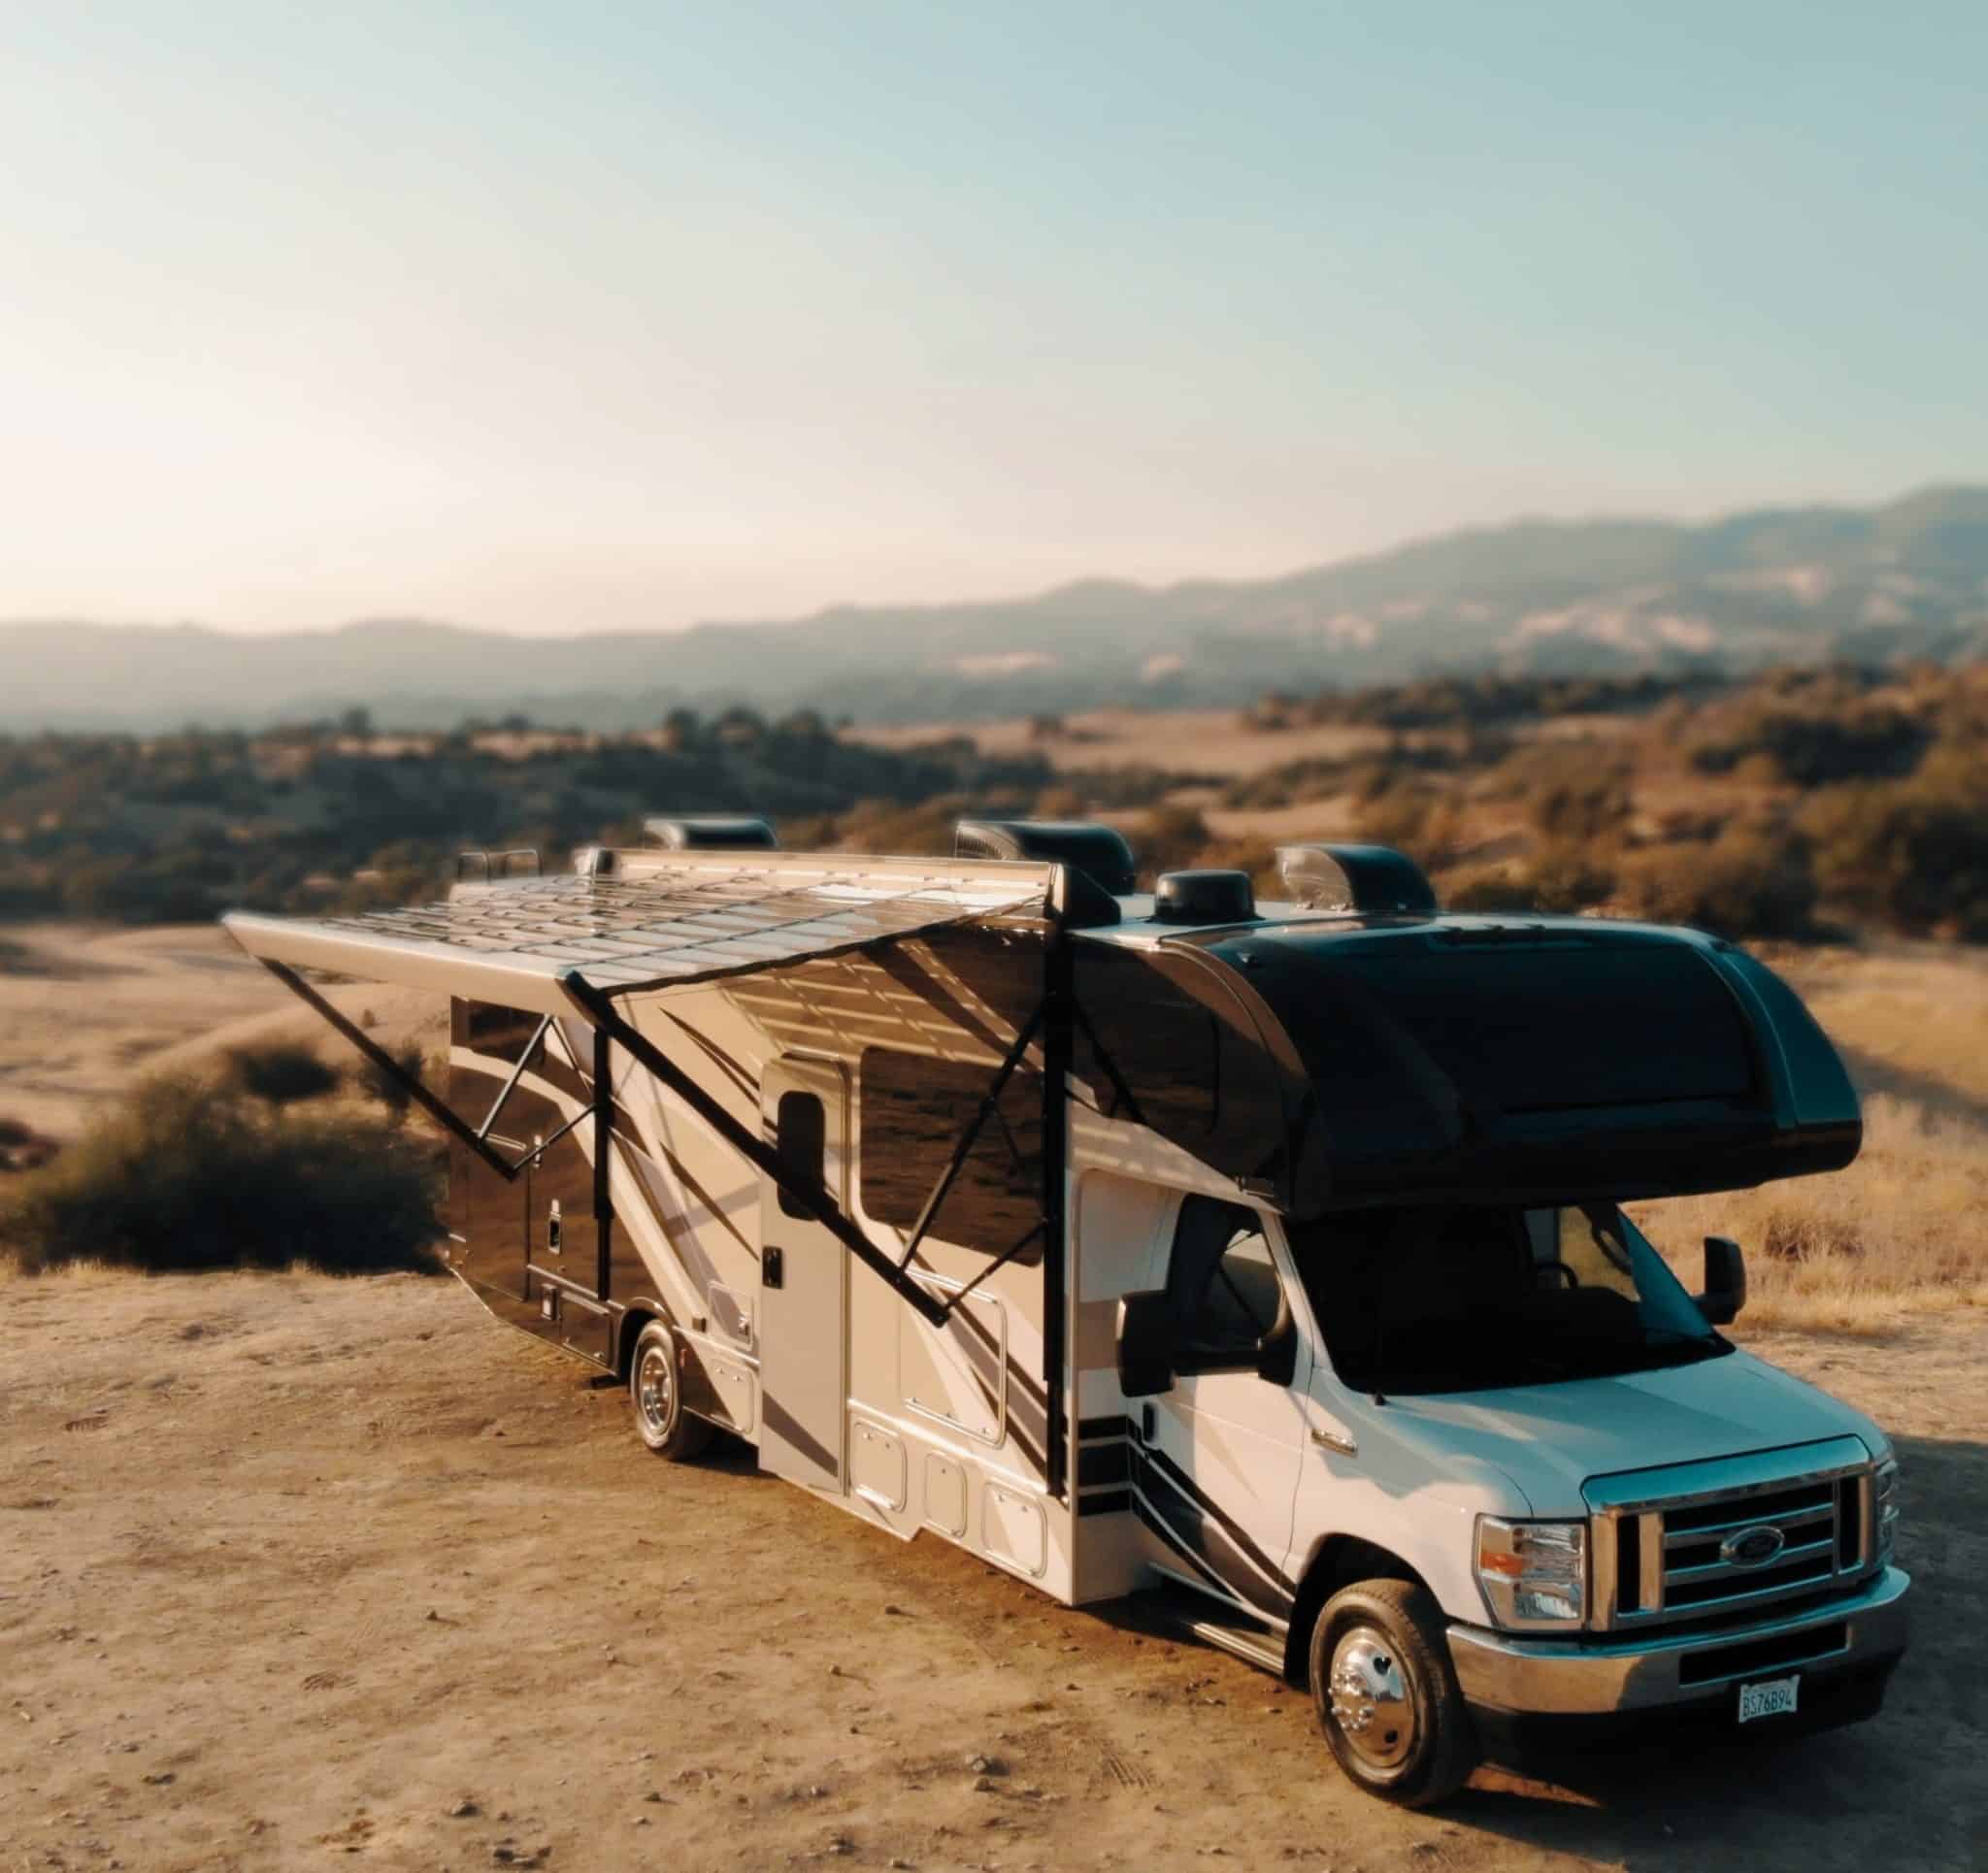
(804, 1279)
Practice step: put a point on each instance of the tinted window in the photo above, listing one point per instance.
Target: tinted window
(1526, 1030)
(1186, 1050)
(801, 1142)
(1163, 1045)
(1221, 1283)
(914, 1110)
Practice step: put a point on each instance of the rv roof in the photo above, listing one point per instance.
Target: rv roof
(675, 919)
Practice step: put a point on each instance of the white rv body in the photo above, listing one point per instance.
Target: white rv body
(721, 1116)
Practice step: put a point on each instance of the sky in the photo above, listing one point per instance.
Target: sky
(573, 317)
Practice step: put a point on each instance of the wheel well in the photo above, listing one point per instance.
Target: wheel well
(629, 1331)
(1340, 1561)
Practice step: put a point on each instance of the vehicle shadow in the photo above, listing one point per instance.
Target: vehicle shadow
(1904, 1788)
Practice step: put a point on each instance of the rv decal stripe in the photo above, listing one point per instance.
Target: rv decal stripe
(1207, 1544)
(1175, 1542)
(635, 1142)
(1103, 1463)
(1108, 1502)
(718, 1056)
(1155, 1463)
(1088, 1429)
(561, 1077)
(1019, 1377)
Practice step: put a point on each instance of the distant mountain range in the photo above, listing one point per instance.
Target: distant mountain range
(1909, 578)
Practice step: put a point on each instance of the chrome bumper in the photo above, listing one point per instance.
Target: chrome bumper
(1499, 1671)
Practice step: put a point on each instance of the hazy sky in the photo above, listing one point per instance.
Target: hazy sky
(565, 315)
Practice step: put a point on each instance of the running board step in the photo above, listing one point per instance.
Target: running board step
(1198, 1617)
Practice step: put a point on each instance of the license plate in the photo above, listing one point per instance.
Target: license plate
(1772, 1698)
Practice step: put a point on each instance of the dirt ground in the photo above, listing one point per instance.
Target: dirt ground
(298, 1573)
(84, 1010)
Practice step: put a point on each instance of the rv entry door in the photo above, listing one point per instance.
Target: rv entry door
(804, 1280)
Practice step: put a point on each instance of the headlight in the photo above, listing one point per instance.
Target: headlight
(1533, 1573)
(1888, 1503)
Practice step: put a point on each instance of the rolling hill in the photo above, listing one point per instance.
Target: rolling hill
(1906, 580)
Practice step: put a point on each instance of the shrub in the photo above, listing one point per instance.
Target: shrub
(281, 1073)
(186, 1175)
(1558, 881)
(1914, 852)
(389, 1089)
(1172, 838)
(1746, 883)
(1580, 808)
(1813, 745)
(23, 1147)
(1415, 818)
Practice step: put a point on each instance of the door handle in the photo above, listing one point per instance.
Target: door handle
(772, 1269)
(1336, 1440)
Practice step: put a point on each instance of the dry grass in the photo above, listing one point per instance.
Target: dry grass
(1900, 1232)
(1903, 1011)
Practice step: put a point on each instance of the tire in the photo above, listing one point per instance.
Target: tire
(655, 1395)
(1387, 1695)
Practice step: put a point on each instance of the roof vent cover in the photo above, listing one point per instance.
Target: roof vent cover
(711, 833)
(1374, 878)
(1204, 898)
(1099, 852)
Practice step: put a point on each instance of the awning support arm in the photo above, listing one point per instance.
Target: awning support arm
(524, 1059)
(814, 1203)
(1006, 1256)
(543, 1145)
(989, 1105)
(408, 1083)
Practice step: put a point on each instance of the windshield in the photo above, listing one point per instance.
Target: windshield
(1462, 1299)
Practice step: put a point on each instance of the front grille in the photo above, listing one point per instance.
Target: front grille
(1756, 1531)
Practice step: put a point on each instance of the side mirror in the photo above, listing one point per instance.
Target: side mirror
(1146, 1345)
(1725, 1281)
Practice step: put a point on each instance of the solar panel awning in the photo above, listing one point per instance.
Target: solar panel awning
(664, 922)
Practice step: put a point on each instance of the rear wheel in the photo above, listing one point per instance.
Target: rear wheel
(655, 1390)
(1387, 1694)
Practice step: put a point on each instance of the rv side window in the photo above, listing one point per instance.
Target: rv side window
(801, 1140)
(914, 1112)
(1220, 1280)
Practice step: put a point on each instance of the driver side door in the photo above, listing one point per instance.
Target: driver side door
(1216, 1457)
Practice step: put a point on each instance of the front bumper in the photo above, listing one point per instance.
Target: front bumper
(1856, 1634)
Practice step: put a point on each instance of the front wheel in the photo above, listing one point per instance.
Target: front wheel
(1387, 1694)
(655, 1389)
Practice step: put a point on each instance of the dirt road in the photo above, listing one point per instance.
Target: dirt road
(298, 1573)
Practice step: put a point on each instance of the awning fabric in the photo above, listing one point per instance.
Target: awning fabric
(664, 922)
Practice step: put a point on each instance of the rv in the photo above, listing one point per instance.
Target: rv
(1265, 1263)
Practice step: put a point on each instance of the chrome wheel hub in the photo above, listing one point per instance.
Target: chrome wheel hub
(655, 1390)
(1371, 1706)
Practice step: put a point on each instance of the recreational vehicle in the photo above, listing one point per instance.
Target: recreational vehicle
(1266, 1262)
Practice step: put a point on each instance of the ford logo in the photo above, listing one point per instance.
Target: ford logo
(1752, 1547)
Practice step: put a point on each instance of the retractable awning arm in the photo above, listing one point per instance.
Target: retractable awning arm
(598, 1009)
(412, 1084)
